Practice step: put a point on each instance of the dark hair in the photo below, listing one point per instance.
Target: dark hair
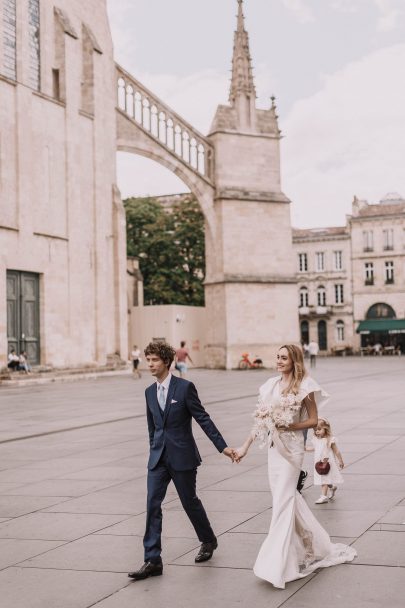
(182, 344)
(162, 350)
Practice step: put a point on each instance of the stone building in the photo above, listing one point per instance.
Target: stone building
(62, 228)
(378, 266)
(324, 286)
(234, 173)
(351, 279)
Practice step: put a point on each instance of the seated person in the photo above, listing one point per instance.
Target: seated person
(13, 360)
(23, 363)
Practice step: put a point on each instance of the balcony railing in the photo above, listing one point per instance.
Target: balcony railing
(315, 311)
(369, 281)
(164, 125)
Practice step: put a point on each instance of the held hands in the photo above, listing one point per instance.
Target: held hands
(232, 454)
(241, 453)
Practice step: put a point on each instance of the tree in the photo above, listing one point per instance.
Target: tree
(169, 243)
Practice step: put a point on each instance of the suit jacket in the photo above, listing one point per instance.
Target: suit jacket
(172, 429)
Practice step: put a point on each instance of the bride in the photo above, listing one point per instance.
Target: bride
(296, 544)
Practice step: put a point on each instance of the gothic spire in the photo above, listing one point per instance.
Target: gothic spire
(242, 78)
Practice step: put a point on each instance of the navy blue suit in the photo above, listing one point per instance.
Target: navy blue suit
(174, 457)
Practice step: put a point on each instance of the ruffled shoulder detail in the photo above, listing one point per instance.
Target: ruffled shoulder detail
(267, 388)
(309, 385)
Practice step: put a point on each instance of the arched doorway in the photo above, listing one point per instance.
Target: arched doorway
(382, 330)
(381, 311)
(322, 335)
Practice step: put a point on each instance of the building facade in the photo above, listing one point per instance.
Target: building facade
(324, 287)
(62, 226)
(351, 279)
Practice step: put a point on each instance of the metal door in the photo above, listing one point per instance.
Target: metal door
(23, 313)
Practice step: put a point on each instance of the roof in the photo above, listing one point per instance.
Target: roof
(380, 209)
(317, 233)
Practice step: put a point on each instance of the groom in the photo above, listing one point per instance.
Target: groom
(171, 403)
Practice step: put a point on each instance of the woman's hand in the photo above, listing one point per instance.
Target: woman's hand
(283, 427)
(341, 464)
(241, 453)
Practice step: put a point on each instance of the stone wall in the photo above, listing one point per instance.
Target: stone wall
(56, 185)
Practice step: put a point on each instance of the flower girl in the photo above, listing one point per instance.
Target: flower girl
(326, 450)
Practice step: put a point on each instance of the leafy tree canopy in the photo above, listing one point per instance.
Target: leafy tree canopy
(169, 242)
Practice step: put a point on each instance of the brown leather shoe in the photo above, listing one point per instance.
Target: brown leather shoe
(206, 551)
(148, 569)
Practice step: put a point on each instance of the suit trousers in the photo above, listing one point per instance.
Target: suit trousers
(185, 483)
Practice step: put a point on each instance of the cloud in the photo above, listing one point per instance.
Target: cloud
(349, 138)
(390, 14)
(300, 10)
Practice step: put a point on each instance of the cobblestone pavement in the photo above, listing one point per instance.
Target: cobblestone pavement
(72, 496)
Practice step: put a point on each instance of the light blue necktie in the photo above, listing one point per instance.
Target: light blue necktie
(162, 398)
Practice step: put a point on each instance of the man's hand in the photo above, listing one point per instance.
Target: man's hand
(231, 453)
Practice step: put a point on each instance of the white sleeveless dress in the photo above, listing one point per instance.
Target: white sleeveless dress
(296, 544)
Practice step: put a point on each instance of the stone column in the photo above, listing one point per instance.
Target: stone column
(251, 296)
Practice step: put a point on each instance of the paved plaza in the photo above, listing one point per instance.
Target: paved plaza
(72, 496)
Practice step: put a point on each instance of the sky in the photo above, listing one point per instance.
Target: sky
(336, 68)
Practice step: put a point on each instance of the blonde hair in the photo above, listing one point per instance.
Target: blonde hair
(298, 371)
(324, 424)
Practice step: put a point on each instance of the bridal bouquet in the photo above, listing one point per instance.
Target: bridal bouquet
(279, 413)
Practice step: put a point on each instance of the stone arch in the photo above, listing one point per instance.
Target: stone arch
(132, 139)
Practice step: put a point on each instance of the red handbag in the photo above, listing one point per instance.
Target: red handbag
(322, 468)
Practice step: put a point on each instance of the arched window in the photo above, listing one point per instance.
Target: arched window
(340, 331)
(322, 335)
(380, 311)
(321, 295)
(303, 297)
(304, 332)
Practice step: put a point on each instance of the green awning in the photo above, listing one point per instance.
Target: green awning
(392, 326)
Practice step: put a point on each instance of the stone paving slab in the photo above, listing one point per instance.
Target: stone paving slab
(381, 548)
(396, 515)
(15, 506)
(56, 526)
(177, 524)
(14, 550)
(182, 587)
(75, 499)
(102, 553)
(40, 588)
(352, 586)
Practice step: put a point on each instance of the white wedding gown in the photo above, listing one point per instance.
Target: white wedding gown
(296, 544)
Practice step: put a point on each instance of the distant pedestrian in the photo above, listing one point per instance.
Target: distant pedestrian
(313, 350)
(326, 450)
(378, 349)
(182, 355)
(136, 360)
(13, 360)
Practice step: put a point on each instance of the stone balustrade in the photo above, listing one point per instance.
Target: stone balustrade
(164, 125)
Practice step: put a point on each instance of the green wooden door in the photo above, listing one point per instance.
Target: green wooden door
(23, 314)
